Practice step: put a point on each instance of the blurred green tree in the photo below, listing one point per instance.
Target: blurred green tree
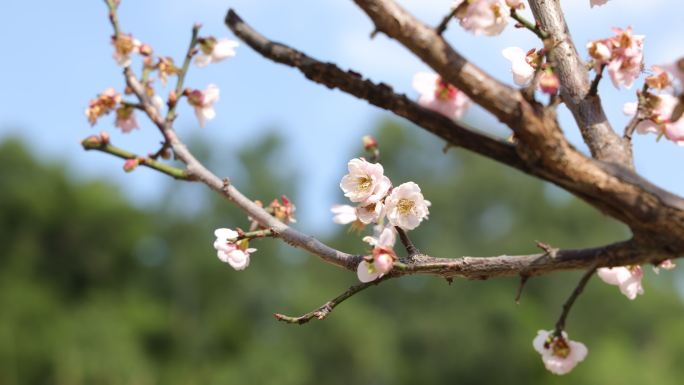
(96, 291)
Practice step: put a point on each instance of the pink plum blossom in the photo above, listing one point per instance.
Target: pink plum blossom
(626, 57)
(384, 237)
(124, 46)
(203, 103)
(365, 182)
(383, 254)
(406, 207)
(488, 17)
(549, 82)
(559, 354)
(597, 2)
(214, 51)
(344, 214)
(522, 71)
(627, 278)
(659, 113)
(125, 119)
(676, 69)
(437, 95)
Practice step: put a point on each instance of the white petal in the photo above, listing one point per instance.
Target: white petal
(425, 83)
(364, 274)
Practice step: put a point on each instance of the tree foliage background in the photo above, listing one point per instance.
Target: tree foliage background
(96, 291)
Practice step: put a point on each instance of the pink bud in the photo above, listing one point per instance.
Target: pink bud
(549, 83)
(130, 164)
(383, 263)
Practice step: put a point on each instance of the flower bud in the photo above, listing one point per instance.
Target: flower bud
(130, 164)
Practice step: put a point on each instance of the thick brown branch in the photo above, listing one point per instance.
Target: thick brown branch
(586, 107)
(380, 95)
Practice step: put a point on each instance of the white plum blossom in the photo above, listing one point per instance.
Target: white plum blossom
(559, 354)
(522, 71)
(597, 2)
(439, 96)
(627, 278)
(228, 251)
(383, 254)
(488, 17)
(370, 213)
(203, 103)
(365, 182)
(344, 214)
(214, 51)
(406, 207)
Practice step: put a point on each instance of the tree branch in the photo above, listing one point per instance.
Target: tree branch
(586, 108)
(325, 309)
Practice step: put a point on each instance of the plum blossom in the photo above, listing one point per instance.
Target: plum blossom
(102, 105)
(439, 96)
(559, 354)
(124, 46)
(370, 213)
(626, 57)
(627, 278)
(383, 254)
(125, 119)
(549, 82)
(659, 110)
(365, 182)
(597, 2)
(214, 51)
(406, 207)
(666, 264)
(521, 64)
(203, 103)
(344, 214)
(230, 252)
(488, 17)
(659, 80)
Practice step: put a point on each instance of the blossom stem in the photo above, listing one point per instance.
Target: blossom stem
(327, 307)
(91, 143)
(560, 324)
(257, 234)
(445, 22)
(184, 70)
(529, 25)
(113, 19)
(411, 249)
(593, 89)
(638, 117)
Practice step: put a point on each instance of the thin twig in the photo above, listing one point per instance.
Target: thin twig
(445, 22)
(171, 114)
(521, 286)
(93, 143)
(593, 89)
(411, 249)
(560, 324)
(533, 27)
(325, 309)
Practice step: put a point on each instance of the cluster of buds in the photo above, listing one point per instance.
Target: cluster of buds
(559, 354)
(282, 209)
(488, 17)
(622, 54)
(440, 96)
(232, 249)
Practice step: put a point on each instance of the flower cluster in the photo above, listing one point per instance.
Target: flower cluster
(439, 96)
(488, 17)
(232, 250)
(404, 206)
(367, 185)
(559, 354)
(622, 54)
(102, 105)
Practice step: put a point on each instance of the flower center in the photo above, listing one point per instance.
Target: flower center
(445, 91)
(364, 183)
(560, 347)
(405, 206)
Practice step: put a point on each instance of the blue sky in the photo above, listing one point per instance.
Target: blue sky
(58, 56)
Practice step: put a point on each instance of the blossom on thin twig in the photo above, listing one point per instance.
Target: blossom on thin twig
(559, 354)
(203, 103)
(627, 278)
(214, 51)
(439, 96)
(406, 207)
(365, 181)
